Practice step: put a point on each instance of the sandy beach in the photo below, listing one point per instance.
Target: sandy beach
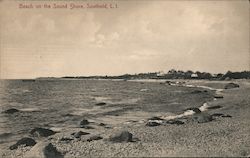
(225, 135)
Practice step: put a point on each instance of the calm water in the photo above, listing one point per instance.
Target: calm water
(62, 103)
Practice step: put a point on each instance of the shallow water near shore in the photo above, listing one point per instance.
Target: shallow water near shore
(61, 104)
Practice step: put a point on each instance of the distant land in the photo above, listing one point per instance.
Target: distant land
(171, 74)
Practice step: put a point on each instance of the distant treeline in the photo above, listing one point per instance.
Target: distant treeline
(173, 74)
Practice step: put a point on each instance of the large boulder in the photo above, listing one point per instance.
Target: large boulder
(24, 141)
(41, 132)
(44, 150)
(231, 85)
(202, 118)
(122, 136)
(10, 111)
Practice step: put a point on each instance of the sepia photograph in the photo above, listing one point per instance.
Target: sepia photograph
(124, 78)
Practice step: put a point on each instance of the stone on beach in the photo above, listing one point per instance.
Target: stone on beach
(79, 134)
(24, 141)
(220, 115)
(65, 139)
(155, 118)
(41, 132)
(44, 150)
(5, 135)
(92, 138)
(152, 124)
(84, 122)
(231, 85)
(198, 91)
(175, 121)
(202, 118)
(196, 110)
(102, 124)
(11, 111)
(218, 96)
(86, 127)
(100, 104)
(226, 116)
(215, 107)
(122, 136)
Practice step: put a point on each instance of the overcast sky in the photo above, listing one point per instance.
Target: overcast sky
(138, 36)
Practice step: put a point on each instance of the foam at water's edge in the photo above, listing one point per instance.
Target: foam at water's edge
(204, 107)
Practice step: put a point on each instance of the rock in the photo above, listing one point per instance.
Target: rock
(84, 122)
(5, 135)
(79, 134)
(174, 121)
(102, 124)
(152, 124)
(217, 115)
(220, 115)
(100, 104)
(41, 132)
(226, 116)
(24, 141)
(108, 127)
(66, 139)
(167, 83)
(198, 91)
(123, 136)
(86, 127)
(202, 118)
(11, 111)
(231, 85)
(196, 110)
(218, 96)
(68, 115)
(155, 118)
(44, 150)
(215, 107)
(95, 137)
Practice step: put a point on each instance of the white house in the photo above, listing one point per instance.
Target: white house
(194, 75)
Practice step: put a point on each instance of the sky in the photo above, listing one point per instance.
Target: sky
(137, 36)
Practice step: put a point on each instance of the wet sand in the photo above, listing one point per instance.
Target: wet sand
(223, 136)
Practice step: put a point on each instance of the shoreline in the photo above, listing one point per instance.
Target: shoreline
(170, 140)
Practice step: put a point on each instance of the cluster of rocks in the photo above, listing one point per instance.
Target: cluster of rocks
(45, 149)
(36, 132)
(198, 117)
